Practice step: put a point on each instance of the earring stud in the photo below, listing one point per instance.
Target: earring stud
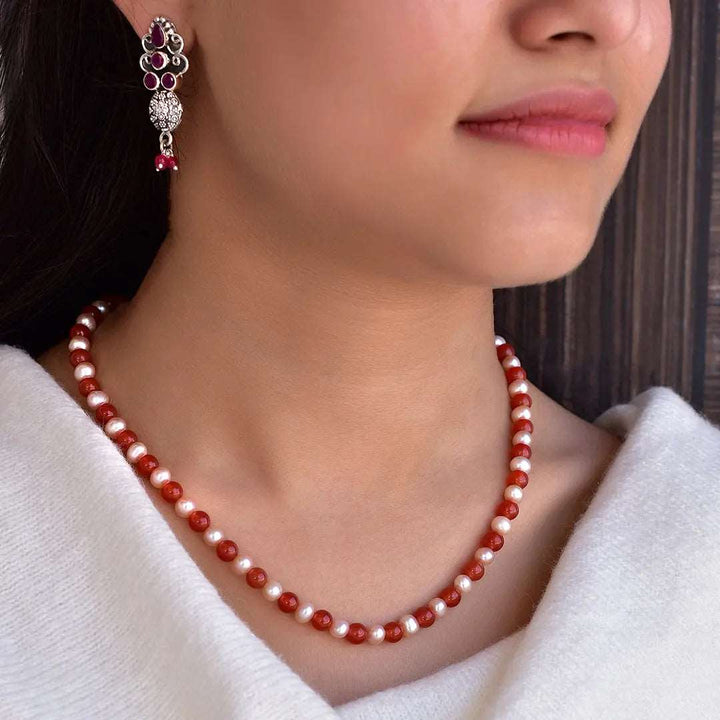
(163, 65)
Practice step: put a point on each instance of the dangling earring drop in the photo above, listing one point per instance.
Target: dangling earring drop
(164, 64)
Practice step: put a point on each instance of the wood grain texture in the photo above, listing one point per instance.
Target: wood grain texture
(643, 309)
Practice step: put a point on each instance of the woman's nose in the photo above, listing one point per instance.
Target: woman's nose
(554, 24)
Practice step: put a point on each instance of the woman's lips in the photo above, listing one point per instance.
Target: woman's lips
(566, 121)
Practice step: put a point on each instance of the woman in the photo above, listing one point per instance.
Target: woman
(311, 360)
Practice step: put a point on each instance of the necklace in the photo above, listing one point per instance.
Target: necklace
(148, 467)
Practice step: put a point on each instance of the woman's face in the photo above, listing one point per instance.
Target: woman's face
(343, 116)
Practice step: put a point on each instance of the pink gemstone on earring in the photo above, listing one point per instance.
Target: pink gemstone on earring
(165, 162)
(158, 60)
(168, 81)
(157, 35)
(150, 81)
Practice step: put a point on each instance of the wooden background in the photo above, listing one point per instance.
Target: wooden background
(643, 309)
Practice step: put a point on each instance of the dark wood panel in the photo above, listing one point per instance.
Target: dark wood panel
(642, 309)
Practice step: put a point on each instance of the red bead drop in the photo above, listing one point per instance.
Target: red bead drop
(226, 550)
(104, 412)
(450, 595)
(256, 577)
(508, 508)
(393, 631)
(78, 356)
(288, 602)
(87, 385)
(146, 464)
(520, 450)
(171, 491)
(520, 399)
(517, 477)
(125, 439)
(199, 521)
(425, 617)
(80, 329)
(492, 540)
(474, 570)
(357, 633)
(321, 620)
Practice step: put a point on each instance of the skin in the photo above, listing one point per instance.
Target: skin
(311, 352)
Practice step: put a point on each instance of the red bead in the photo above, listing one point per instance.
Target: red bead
(505, 350)
(517, 477)
(515, 373)
(508, 508)
(474, 569)
(393, 631)
(492, 540)
(171, 491)
(450, 595)
(125, 439)
(288, 602)
(322, 620)
(522, 426)
(95, 312)
(80, 329)
(425, 616)
(256, 577)
(78, 356)
(87, 385)
(199, 520)
(520, 399)
(146, 464)
(520, 450)
(165, 162)
(104, 412)
(357, 633)
(226, 550)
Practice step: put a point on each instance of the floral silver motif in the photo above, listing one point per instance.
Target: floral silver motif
(165, 110)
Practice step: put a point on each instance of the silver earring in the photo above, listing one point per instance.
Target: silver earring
(164, 64)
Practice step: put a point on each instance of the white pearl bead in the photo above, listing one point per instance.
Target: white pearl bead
(520, 463)
(522, 438)
(376, 634)
(511, 361)
(101, 305)
(272, 590)
(114, 426)
(159, 476)
(184, 506)
(522, 412)
(410, 625)
(87, 320)
(97, 397)
(514, 493)
(304, 612)
(78, 342)
(500, 524)
(438, 606)
(84, 370)
(484, 555)
(499, 340)
(339, 628)
(212, 536)
(135, 452)
(242, 564)
(517, 386)
(463, 584)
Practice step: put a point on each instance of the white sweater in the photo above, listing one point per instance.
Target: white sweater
(103, 614)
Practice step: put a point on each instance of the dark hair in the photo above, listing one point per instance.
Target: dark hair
(82, 210)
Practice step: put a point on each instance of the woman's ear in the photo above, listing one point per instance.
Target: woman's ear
(140, 14)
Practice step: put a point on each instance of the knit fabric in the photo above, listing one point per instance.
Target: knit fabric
(104, 615)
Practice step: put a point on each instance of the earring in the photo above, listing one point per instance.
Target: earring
(164, 64)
